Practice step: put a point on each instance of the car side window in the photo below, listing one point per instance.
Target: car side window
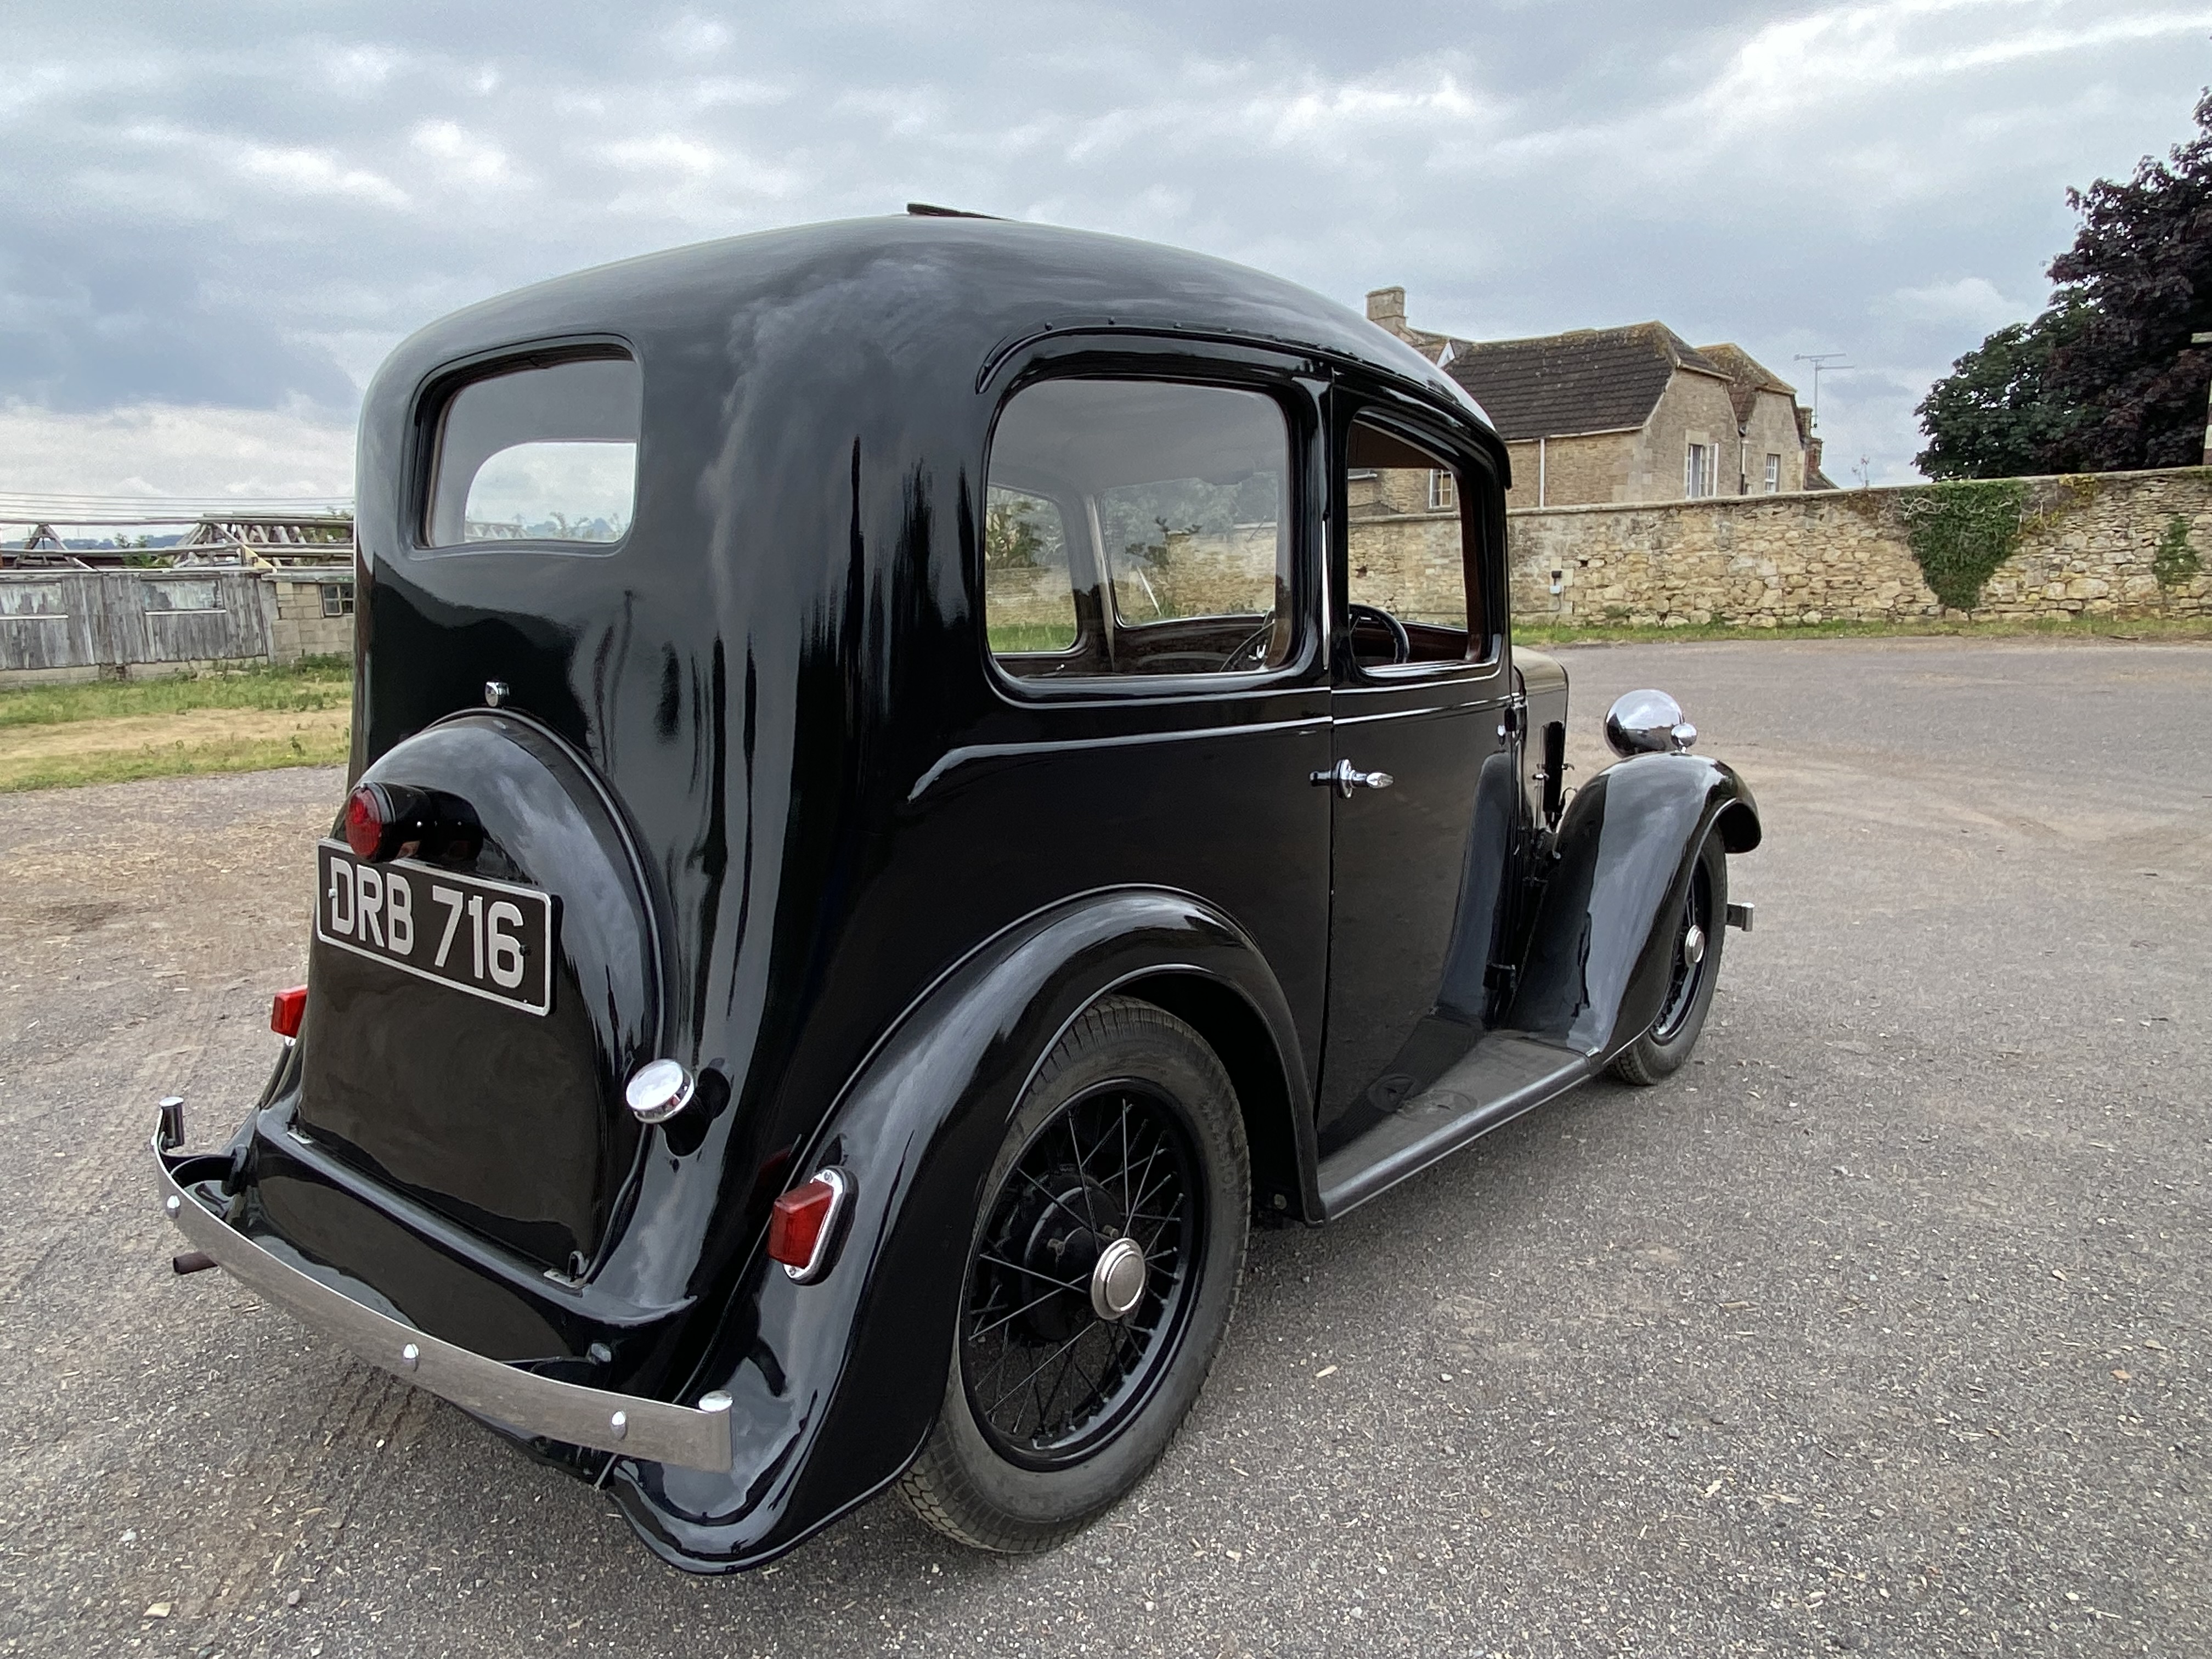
(1137, 527)
(1411, 578)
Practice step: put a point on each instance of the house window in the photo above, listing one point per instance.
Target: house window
(33, 600)
(157, 597)
(1700, 470)
(1773, 475)
(337, 598)
(1443, 491)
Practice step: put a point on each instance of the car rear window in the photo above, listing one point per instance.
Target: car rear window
(541, 454)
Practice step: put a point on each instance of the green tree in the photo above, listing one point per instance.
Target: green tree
(1990, 418)
(2107, 378)
(1012, 540)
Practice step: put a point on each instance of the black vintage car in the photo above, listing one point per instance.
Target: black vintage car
(910, 778)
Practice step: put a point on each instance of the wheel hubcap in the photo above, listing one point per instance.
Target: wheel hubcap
(1693, 946)
(1082, 1280)
(1117, 1283)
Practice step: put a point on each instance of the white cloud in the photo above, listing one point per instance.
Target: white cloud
(1973, 300)
(665, 153)
(165, 449)
(462, 157)
(697, 36)
(360, 70)
(1882, 177)
(314, 173)
(1847, 51)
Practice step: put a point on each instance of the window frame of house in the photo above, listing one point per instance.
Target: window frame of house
(1700, 470)
(1773, 473)
(337, 598)
(1443, 491)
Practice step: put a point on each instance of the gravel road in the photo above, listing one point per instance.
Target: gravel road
(1883, 1327)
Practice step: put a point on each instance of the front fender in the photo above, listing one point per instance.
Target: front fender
(836, 1384)
(1595, 970)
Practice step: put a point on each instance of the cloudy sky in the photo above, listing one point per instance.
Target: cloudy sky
(214, 220)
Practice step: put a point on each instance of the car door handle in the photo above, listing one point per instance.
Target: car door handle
(1344, 777)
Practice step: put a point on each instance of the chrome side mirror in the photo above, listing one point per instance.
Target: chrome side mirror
(1648, 723)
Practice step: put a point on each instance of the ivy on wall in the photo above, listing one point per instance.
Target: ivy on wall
(2175, 562)
(1961, 533)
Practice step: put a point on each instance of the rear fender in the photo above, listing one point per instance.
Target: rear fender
(836, 1384)
(1596, 968)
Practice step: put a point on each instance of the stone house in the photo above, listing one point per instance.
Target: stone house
(1618, 415)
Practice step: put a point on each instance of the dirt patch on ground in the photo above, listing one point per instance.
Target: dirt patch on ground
(150, 745)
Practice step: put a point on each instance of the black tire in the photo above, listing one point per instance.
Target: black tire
(1126, 1073)
(1660, 1051)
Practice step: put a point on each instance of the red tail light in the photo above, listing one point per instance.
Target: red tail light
(368, 814)
(288, 1010)
(802, 1228)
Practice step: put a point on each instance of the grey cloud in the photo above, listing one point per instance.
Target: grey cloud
(225, 207)
(86, 329)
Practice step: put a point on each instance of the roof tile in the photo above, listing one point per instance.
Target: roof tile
(1593, 379)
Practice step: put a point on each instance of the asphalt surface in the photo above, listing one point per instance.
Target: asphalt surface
(1883, 1327)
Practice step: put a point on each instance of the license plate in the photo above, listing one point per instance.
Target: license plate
(490, 939)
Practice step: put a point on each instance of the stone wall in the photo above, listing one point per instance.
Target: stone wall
(1591, 468)
(299, 626)
(2086, 548)
(1411, 565)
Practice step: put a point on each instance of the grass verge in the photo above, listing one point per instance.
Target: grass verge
(2039, 627)
(113, 731)
(313, 683)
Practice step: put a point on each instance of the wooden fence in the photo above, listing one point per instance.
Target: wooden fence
(61, 620)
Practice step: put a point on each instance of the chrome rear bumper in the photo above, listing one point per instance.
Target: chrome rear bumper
(652, 1430)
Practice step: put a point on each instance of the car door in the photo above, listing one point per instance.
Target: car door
(1153, 529)
(1423, 807)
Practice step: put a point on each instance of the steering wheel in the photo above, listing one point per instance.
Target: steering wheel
(1253, 645)
(1402, 642)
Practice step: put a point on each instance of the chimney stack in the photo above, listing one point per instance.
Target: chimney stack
(1386, 309)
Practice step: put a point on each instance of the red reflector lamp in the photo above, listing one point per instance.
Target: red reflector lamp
(367, 814)
(802, 1228)
(288, 1010)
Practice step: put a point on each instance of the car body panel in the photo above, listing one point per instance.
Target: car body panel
(811, 844)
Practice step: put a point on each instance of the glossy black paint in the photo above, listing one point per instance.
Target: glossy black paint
(809, 842)
(917, 1130)
(1597, 966)
(510, 1123)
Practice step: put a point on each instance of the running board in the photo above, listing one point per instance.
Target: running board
(1503, 1076)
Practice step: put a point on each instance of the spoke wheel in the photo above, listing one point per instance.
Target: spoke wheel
(1100, 1278)
(1693, 931)
(1063, 1335)
(1693, 969)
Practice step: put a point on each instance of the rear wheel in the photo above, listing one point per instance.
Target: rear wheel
(1101, 1279)
(1696, 969)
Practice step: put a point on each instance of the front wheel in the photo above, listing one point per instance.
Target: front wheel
(1695, 969)
(1101, 1277)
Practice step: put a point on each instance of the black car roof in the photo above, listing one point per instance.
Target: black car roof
(949, 288)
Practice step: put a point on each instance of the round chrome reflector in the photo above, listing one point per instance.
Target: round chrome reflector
(658, 1090)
